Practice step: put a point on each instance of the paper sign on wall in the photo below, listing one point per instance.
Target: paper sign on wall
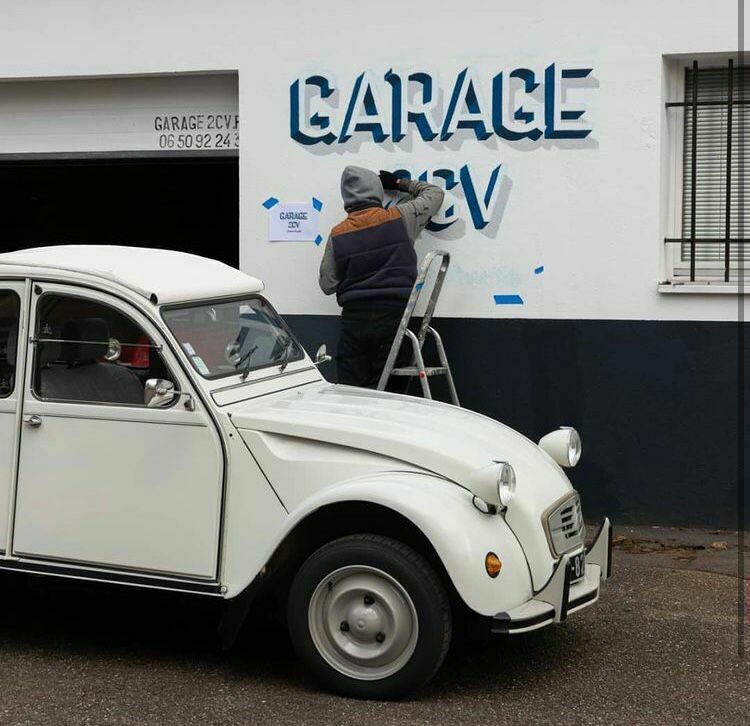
(292, 222)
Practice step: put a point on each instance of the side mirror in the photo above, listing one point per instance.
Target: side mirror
(159, 393)
(322, 355)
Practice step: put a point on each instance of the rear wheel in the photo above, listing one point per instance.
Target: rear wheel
(369, 617)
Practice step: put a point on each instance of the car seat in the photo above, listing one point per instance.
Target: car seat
(81, 376)
(8, 361)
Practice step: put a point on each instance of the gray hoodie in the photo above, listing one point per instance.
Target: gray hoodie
(362, 188)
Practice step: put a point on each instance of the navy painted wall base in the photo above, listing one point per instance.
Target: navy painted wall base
(655, 403)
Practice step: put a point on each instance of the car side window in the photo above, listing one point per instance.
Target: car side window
(10, 308)
(88, 352)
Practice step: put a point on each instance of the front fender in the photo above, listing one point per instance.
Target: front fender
(460, 534)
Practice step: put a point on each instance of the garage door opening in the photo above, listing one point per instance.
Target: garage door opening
(149, 161)
(188, 204)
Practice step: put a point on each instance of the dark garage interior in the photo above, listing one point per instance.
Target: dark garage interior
(188, 204)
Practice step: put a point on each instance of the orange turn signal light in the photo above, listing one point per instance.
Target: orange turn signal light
(492, 564)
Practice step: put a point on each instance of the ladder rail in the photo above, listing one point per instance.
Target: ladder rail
(420, 365)
(444, 363)
(434, 295)
(417, 340)
(411, 305)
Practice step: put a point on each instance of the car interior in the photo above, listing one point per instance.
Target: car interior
(89, 352)
(220, 337)
(9, 311)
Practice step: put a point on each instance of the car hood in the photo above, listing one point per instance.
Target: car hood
(451, 442)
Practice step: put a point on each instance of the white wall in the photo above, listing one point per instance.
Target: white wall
(590, 212)
(134, 114)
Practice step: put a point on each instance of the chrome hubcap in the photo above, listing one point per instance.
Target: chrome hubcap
(363, 622)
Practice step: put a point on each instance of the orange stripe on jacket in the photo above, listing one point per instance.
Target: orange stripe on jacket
(366, 218)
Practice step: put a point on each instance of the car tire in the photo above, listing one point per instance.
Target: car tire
(369, 617)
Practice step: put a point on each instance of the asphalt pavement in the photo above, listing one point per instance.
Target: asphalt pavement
(660, 647)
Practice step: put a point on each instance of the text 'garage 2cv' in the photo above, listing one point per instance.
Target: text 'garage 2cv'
(161, 427)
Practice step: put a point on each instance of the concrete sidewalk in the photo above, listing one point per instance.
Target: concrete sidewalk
(680, 548)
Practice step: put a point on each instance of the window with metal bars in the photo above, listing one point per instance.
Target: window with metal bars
(716, 140)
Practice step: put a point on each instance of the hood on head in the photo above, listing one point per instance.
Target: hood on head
(360, 187)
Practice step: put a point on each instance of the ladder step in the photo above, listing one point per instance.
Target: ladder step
(414, 371)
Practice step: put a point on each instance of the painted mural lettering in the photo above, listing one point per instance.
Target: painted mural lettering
(517, 105)
(522, 103)
(480, 194)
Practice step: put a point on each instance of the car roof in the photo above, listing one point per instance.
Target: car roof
(163, 276)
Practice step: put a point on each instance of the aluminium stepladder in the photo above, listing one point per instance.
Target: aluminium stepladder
(418, 369)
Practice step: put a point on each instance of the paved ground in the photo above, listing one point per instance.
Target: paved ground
(660, 648)
(708, 550)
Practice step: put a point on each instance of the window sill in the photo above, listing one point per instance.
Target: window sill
(704, 287)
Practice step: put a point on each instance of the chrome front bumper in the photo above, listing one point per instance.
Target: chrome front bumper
(559, 597)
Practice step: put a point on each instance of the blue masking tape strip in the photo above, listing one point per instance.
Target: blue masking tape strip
(318, 240)
(508, 300)
(270, 202)
(317, 204)
(539, 270)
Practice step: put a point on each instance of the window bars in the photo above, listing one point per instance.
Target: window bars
(713, 189)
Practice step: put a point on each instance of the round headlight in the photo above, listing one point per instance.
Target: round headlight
(574, 447)
(493, 486)
(563, 445)
(506, 483)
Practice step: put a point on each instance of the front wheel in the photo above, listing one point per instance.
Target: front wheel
(369, 617)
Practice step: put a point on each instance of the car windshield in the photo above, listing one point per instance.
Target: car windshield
(239, 336)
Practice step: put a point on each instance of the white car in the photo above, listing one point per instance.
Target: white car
(161, 427)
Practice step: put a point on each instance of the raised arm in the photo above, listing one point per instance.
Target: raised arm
(426, 201)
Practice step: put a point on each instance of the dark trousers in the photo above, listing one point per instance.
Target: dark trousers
(367, 333)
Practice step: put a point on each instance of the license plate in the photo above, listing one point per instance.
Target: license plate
(577, 566)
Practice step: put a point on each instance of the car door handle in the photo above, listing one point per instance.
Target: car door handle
(33, 421)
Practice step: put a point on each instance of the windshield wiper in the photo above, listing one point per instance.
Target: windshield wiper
(243, 364)
(288, 345)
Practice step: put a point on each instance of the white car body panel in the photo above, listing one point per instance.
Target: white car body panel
(298, 468)
(74, 503)
(158, 275)
(112, 485)
(211, 496)
(301, 373)
(8, 426)
(9, 412)
(430, 435)
(254, 518)
(460, 534)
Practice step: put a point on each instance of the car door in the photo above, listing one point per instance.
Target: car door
(104, 479)
(12, 295)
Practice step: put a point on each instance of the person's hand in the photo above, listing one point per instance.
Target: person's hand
(389, 180)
